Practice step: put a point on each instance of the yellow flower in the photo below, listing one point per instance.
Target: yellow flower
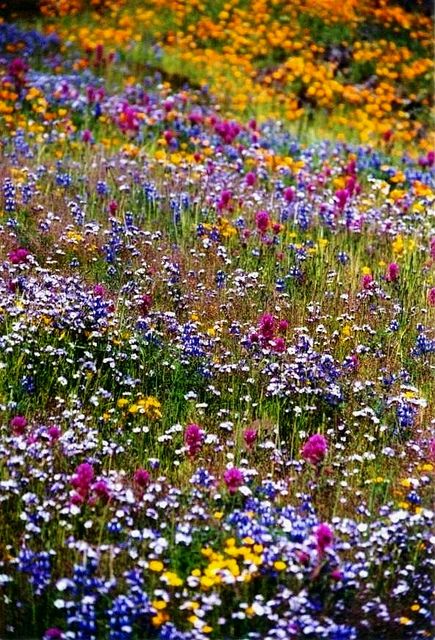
(122, 402)
(160, 618)
(366, 271)
(346, 331)
(159, 604)
(398, 245)
(172, 579)
(279, 565)
(156, 565)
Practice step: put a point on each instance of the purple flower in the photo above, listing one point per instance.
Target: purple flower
(82, 479)
(315, 449)
(54, 633)
(262, 220)
(141, 477)
(18, 256)
(18, 424)
(392, 272)
(233, 479)
(250, 178)
(193, 438)
(249, 436)
(267, 326)
(324, 537)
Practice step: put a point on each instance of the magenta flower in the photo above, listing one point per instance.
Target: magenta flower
(315, 449)
(54, 433)
(262, 220)
(81, 480)
(432, 449)
(283, 326)
(431, 297)
(367, 281)
(279, 345)
(113, 207)
(146, 303)
(393, 270)
(141, 477)
(102, 490)
(100, 290)
(324, 537)
(289, 194)
(87, 136)
(18, 256)
(233, 479)
(193, 438)
(250, 178)
(267, 326)
(54, 633)
(18, 424)
(342, 196)
(249, 436)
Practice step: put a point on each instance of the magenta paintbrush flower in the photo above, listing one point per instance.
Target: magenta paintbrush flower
(315, 449)
(233, 479)
(193, 438)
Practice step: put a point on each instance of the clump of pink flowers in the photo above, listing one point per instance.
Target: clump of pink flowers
(324, 537)
(315, 449)
(141, 478)
(393, 271)
(193, 439)
(249, 436)
(262, 221)
(81, 481)
(18, 256)
(18, 424)
(233, 478)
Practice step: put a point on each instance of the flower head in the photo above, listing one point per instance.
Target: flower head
(315, 449)
(193, 438)
(233, 479)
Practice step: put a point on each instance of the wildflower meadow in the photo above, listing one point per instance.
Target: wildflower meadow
(216, 320)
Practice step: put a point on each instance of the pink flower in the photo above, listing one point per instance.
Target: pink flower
(193, 438)
(100, 290)
(432, 449)
(54, 433)
(233, 479)
(18, 256)
(392, 272)
(54, 633)
(146, 303)
(267, 326)
(342, 196)
(431, 297)
(289, 194)
(113, 207)
(315, 449)
(283, 326)
(87, 136)
(18, 424)
(262, 220)
(249, 436)
(81, 480)
(279, 345)
(324, 537)
(141, 477)
(367, 281)
(250, 178)
(102, 490)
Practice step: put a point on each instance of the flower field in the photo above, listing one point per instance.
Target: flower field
(216, 320)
